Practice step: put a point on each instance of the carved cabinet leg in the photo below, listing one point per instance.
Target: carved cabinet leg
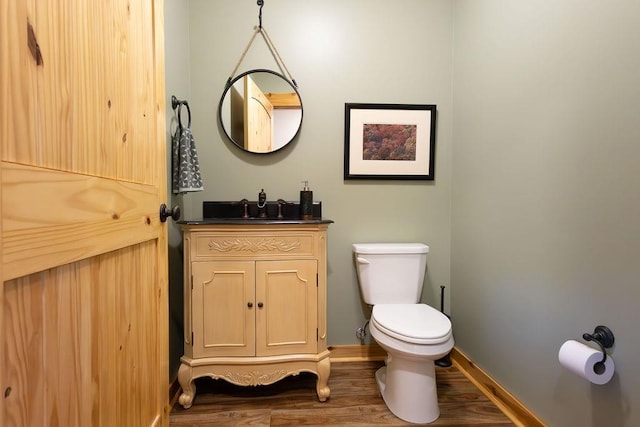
(322, 386)
(188, 388)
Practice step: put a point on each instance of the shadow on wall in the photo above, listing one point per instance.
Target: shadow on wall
(176, 311)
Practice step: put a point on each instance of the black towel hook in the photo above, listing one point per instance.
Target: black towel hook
(176, 103)
(603, 337)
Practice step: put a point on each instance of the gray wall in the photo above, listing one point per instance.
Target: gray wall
(533, 234)
(546, 198)
(357, 51)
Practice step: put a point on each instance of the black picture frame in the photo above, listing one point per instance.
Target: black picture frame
(389, 141)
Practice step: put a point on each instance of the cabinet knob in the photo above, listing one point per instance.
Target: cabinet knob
(249, 304)
(260, 304)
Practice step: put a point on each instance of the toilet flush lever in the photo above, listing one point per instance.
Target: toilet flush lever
(363, 260)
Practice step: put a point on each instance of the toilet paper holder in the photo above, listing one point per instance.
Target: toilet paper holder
(603, 337)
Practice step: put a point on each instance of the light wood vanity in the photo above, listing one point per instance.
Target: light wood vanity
(254, 302)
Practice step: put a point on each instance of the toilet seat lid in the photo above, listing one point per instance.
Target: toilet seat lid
(414, 323)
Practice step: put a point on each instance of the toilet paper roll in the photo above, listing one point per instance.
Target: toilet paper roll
(582, 359)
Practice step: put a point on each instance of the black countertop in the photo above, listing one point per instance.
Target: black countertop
(253, 221)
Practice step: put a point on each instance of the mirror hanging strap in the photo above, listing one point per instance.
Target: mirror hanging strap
(244, 52)
(260, 29)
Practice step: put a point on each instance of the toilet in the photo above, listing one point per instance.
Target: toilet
(414, 335)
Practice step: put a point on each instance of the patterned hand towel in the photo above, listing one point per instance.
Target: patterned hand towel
(186, 168)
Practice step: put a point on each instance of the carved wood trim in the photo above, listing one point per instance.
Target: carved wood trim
(244, 245)
(255, 378)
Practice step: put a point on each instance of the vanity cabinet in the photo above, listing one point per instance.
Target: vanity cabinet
(255, 304)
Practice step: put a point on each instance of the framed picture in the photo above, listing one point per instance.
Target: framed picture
(389, 141)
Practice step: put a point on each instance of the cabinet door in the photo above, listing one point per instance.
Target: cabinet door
(287, 307)
(223, 308)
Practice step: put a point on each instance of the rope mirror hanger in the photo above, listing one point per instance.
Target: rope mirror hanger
(263, 31)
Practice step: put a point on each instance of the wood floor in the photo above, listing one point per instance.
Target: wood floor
(355, 401)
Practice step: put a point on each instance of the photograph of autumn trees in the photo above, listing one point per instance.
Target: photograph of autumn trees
(389, 142)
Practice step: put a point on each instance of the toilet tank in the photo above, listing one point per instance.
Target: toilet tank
(390, 273)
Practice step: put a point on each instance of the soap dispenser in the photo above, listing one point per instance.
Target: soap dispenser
(306, 202)
(262, 204)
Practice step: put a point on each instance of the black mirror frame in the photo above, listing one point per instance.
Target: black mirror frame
(227, 87)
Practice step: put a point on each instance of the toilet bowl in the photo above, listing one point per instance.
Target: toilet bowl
(408, 382)
(414, 335)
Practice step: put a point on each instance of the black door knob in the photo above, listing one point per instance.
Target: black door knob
(165, 213)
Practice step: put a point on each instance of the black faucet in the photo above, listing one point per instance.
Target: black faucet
(262, 204)
(245, 207)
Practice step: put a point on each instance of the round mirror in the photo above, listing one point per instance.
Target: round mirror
(260, 111)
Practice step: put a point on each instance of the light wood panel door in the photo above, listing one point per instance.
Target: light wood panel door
(83, 303)
(258, 118)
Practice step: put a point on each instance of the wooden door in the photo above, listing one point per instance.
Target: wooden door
(83, 303)
(287, 322)
(258, 118)
(223, 308)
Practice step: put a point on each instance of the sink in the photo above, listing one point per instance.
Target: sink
(221, 210)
